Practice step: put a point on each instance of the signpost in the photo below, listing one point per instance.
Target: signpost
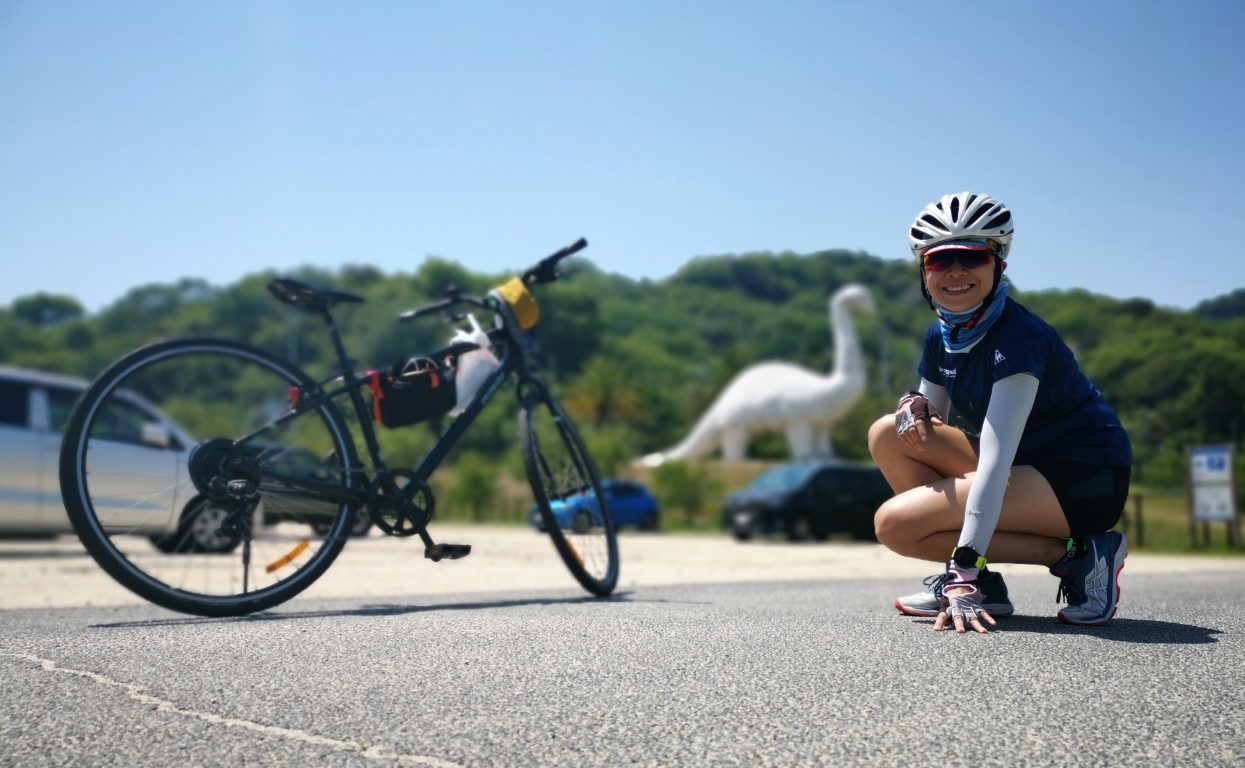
(1212, 490)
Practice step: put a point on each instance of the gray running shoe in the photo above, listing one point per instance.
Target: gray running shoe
(1090, 583)
(928, 603)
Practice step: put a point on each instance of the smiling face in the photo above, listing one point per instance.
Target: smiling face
(959, 288)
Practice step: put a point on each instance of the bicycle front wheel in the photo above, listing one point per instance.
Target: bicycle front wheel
(568, 493)
(180, 467)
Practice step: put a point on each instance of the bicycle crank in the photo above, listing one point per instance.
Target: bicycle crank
(400, 503)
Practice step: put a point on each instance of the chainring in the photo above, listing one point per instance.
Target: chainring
(400, 503)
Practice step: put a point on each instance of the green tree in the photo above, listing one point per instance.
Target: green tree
(475, 485)
(688, 487)
(605, 392)
(45, 310)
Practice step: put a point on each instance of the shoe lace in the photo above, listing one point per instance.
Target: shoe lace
(934, 583)
(1071, 590)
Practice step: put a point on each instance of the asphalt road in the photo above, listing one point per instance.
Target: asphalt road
(711, 653)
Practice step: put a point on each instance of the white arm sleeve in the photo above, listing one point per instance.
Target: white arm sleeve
(1011, 401)
(937, 396)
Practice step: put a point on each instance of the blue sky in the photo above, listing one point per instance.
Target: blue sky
(146, 141)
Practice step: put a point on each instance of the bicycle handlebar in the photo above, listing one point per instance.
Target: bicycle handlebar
(545, 271)
(431, 309)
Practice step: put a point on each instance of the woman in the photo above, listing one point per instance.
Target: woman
(1045, 475)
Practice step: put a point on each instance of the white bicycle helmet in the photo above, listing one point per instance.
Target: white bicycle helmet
(963, 216)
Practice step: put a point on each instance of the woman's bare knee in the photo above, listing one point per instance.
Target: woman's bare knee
(893, 527)
(924, 522)
(882, 432)
(884, 526)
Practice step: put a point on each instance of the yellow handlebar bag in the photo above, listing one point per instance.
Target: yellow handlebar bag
(514, 295)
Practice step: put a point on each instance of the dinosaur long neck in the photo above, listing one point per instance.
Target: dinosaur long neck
(847, 355)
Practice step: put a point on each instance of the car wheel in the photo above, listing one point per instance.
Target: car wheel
(864, 533)
(799, 528)
(167, 544)
(203, 521)
(742, 534)
(170, 544)
(362, 524)
(821, 531)
(197, 531)
(649, 521)
(361, 527)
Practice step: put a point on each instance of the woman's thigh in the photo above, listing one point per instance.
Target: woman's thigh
(948, 452)
(1029, 506)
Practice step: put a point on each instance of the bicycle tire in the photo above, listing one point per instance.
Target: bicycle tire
(130, 496)
(561, 471)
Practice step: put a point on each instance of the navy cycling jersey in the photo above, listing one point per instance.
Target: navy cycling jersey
(1070, 419)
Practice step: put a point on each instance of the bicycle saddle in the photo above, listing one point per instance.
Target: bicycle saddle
(308, 297)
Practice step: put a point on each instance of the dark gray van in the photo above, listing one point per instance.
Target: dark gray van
(808, 500)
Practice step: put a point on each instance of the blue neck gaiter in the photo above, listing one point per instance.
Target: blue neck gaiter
(962, 330)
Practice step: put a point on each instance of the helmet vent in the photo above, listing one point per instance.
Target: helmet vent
(978, 214)
(999, 220)
(965, 215)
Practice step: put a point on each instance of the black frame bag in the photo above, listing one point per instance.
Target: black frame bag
(411, 392)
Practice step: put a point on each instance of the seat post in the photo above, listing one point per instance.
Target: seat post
(335, 335)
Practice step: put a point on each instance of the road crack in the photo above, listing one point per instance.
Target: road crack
(138, 693)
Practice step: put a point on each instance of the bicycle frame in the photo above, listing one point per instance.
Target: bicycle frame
(511, 362)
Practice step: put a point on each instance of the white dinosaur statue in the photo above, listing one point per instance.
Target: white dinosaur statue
(783, 397)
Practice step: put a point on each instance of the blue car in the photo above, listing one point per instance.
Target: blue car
(629, 502)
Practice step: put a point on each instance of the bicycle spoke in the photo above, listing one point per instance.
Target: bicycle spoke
(171, 506)
(567, 492)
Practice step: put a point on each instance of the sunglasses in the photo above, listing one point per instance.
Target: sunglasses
(969, 259)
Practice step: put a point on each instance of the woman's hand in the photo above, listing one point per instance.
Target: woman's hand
(914, 419)
(961, 600)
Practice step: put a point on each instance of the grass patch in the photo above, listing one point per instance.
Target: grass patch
(1158, 521)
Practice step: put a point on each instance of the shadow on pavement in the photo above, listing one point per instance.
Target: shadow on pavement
(1118, 630)
(368, 610)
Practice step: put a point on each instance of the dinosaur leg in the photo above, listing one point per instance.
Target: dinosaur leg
(735, 444)
(800, 440)
(823, 445)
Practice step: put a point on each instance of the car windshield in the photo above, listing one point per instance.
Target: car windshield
(785, 478)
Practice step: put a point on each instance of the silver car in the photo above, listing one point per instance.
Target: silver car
(34, 407)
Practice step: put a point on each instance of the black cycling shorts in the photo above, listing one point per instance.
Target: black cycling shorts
(1092, 497)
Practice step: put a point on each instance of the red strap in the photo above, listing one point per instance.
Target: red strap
(377, 393)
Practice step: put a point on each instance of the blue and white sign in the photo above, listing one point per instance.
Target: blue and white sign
(1213, 504)
(1214, 497)
(1211, 464)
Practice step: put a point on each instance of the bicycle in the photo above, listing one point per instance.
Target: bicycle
(178, 520)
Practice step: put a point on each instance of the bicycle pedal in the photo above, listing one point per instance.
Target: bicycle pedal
(437, 552)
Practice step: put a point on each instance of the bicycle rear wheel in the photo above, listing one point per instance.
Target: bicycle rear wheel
(568, 493)
(175, 468)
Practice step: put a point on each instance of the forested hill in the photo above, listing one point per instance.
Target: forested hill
(637, 361)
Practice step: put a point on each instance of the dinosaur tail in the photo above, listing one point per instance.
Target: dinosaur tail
(693, 446)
